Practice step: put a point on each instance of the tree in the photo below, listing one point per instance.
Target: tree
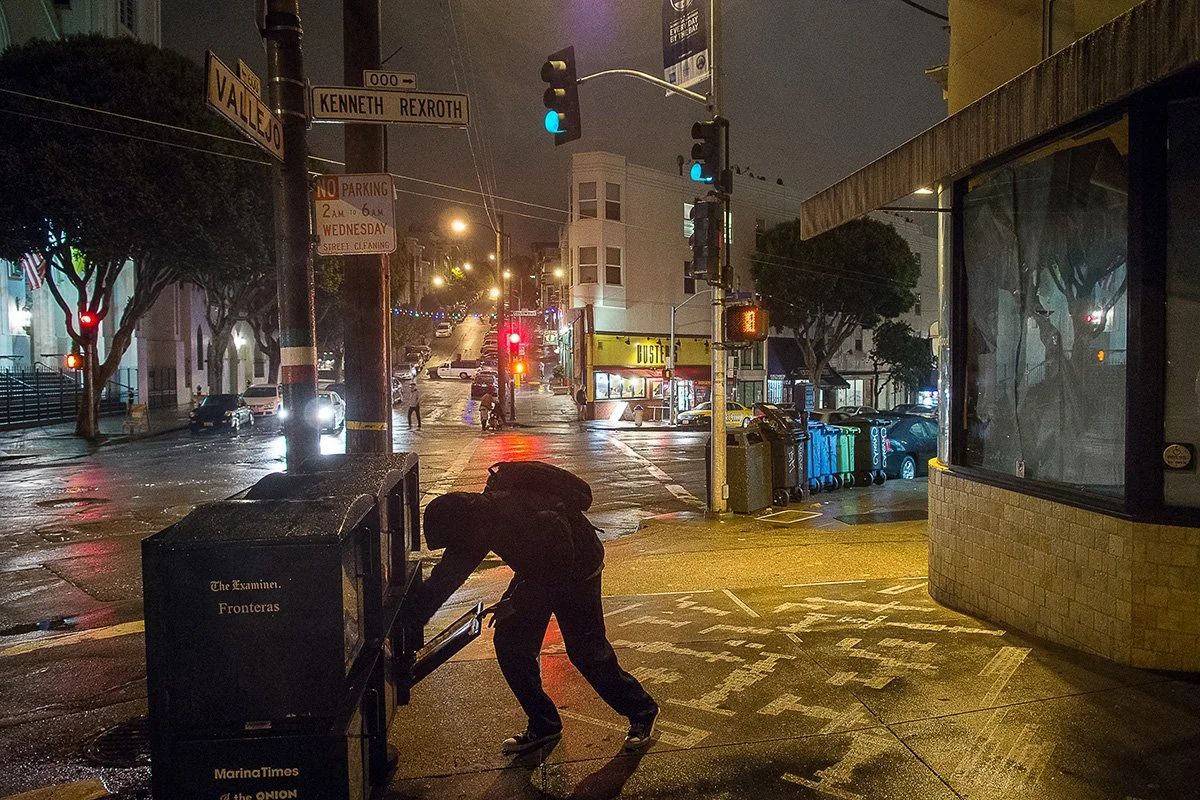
(903, 354)
(825, 288)
(328, 274)
(238, 279)
(99, 196)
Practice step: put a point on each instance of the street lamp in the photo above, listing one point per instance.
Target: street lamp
(458, 226)
(671, 355)
(438, 280)
(494, 292)
(466, 266)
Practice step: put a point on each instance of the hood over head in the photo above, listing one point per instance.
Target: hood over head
(450, 516)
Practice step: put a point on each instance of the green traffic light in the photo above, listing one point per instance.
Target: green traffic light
(553, 122)
(698, 174)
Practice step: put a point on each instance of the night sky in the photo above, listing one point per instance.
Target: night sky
(814, 89)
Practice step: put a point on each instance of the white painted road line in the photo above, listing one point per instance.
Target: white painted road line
(90, 635)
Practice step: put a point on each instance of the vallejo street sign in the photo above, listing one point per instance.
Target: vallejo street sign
(354, 104)
(242, 106)
(355, 214)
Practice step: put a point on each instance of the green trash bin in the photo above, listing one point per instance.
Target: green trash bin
(845, 453)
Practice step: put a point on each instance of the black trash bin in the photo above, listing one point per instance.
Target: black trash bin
(788, 438)
(747, 470)
(869, 450)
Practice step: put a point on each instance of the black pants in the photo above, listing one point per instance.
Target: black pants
(581, 619)
(414, 410)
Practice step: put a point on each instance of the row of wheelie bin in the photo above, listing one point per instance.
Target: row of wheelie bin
(845, 455)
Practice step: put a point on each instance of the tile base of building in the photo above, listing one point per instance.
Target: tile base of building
(1127, 591)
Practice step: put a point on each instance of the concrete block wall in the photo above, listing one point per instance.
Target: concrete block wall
(1127, 591)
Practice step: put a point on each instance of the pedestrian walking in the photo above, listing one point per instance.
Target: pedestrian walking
(410, 396)
(557, 560)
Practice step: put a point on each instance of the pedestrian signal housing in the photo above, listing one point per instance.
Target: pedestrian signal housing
(745, 323)
(562, 96)
(74, 361)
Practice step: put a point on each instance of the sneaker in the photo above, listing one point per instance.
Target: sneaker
(529, 740)
(641, 731)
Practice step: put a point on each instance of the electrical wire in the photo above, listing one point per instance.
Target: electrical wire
(132, 136)
(126, 117)
(479, 177)
(925, 10)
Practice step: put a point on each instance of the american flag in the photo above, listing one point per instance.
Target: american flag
(35, 269)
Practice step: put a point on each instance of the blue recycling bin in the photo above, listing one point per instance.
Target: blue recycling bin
(819, 461)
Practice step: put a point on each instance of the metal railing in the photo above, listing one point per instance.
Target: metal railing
(41, 395)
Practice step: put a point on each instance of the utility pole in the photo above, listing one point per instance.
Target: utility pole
(501, 319)
(293, 230)
(365, 283)
(719, 502)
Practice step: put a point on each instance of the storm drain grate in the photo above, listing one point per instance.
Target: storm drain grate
(123, 745)
(876, 517)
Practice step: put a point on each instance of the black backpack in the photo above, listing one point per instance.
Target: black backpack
(543, 478)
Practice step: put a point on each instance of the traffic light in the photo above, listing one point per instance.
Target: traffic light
(710, 152)
(518, 367)
(562, 96)
(514, 340)
(745, 323)
(707, 221)
(87, 322)
(74, 361)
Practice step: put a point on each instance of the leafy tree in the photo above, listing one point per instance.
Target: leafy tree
(99, 196)
(903, 354)
(825, 288)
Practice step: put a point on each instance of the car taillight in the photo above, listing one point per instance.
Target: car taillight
(887, 445)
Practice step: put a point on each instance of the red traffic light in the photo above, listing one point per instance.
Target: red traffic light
(74, 361)
(514, 338)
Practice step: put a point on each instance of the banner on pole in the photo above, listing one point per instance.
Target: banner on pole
(685, 42)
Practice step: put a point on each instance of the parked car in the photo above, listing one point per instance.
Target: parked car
(735, 414)
(829, 415)
(857, 411)
(417, 352)
(915, 408)
(463, 369)
(483, 383)
(406, 370)
(443, 330)
(911, 442)
(264, 399)
(220, 412)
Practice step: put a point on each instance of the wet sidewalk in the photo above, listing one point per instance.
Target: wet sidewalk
(804, 660)
(58, 441)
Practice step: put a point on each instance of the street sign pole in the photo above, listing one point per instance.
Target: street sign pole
(719, 502)
(365, 281)
(293, 230)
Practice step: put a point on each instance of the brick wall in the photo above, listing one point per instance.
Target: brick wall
(1127, 591)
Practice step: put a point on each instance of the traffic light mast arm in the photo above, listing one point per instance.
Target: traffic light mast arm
(670, 87)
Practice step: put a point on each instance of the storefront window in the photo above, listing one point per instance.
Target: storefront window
(1045, 247)
(1181, 484)
(611, 386)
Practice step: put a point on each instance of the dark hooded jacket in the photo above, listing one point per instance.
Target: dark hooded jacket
(533, 533)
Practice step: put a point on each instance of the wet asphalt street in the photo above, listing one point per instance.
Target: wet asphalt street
(71, 653)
